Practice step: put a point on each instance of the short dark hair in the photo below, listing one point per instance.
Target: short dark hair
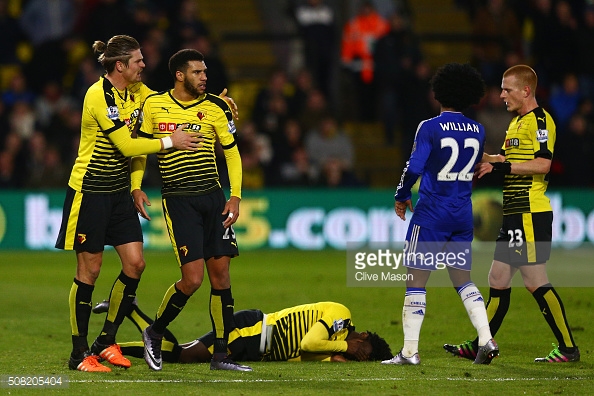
(179, 60)
(118, 48)
(457, 86)
(380, 350)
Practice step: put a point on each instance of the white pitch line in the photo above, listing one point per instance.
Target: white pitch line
(326, 380)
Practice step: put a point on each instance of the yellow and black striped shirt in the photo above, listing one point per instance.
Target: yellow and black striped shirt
(192, 172)
(529, 136)
(108, 117)
(292, 327)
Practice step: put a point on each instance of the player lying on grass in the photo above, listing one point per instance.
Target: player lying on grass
(320, 331)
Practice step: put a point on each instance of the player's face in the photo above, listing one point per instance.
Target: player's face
(195, 78)
(512, 93)
(131, 73)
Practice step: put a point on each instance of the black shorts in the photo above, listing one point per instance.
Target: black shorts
(195, 226)
(244, 339)
(525, 239)
(91, 221)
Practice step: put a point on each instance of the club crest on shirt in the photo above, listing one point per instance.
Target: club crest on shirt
(132, 97)
(542, 135)
(113, 113)
(201, 115)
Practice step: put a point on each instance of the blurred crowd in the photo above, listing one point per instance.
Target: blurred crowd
(294, 135)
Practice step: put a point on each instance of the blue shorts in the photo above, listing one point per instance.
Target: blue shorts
(431, 250)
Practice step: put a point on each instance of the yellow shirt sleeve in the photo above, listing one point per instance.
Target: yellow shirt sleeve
(316, 341)
(233, 160)
(137, 167)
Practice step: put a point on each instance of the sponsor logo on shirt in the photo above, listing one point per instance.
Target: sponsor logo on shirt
(167, 126)
(514, 142)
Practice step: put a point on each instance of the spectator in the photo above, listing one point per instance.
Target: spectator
(290, 164)
(494, 117)
(358, 38)
(554, 46)
(13, 162)
(585, 43)
(396, 56)
(157, 68)
(420, 105)
(304, 85)
(11, 34)
(327, 142)
(22, 120)
(47, 23)
(187, 25)
(316, 108)
(51, 101)
(278, 85)
(217, 72)
(47, 20)
(88, 73)
(564, 101)
(107, 18)
(496, 30)
(316, 22)
(18, 91)
(256, 153)
(576, 150)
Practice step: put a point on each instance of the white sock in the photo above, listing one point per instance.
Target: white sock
(475, 306)
(413, 313)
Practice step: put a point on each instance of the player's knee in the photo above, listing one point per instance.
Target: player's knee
(189, 284)
(135, 268)
(497, 281)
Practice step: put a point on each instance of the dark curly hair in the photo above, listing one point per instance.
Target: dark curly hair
(457, 86)
(380, 348)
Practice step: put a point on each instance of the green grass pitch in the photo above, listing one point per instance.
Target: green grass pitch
(35, 332)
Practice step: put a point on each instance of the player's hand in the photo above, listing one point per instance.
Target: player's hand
(232, 211)
(400, 208)
(186, 140)
(140, 199)
(355, 348)
(338, 357)
(482, 168)
(231, 103)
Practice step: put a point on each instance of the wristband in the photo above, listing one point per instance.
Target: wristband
(167, 142)
(501, 167)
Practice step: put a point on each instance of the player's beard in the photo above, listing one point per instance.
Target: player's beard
(192, 90)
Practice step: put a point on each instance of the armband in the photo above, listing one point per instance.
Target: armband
(167, 142)
(501, 167)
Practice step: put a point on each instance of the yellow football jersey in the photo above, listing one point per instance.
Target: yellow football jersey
(529, 136)
(291, 325)
(108, 118)
(191, 172)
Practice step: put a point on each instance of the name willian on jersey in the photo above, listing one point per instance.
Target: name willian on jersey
(459, 126)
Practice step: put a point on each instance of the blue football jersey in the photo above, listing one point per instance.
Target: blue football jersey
(445, 152)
